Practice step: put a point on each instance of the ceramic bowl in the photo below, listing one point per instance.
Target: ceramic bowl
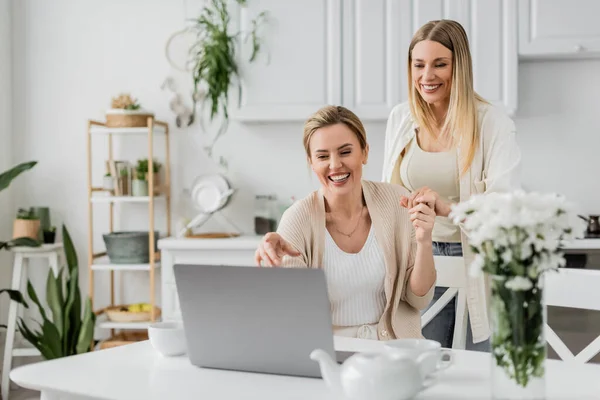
(167, 338)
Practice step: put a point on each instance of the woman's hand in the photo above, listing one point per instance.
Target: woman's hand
(422, 217)
(272, 249)
(428, 196)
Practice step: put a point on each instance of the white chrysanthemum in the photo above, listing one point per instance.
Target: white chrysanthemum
(476, 266)
(518, 228)
(518, 283)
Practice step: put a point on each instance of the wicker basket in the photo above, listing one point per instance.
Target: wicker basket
(115, 314)
(120, 118)
(123, 338)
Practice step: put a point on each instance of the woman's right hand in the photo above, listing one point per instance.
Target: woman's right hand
(272, 249)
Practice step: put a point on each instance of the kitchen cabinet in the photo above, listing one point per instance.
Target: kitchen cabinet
(298, 70)
(559, 28)
(375, 40)
(354, 53)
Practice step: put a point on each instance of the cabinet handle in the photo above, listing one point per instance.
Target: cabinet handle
(578, 48)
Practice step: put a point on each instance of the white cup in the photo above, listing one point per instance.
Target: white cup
(168, 338)
(427, 353)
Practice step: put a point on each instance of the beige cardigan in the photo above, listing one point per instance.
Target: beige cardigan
(495, 168)
(303, 225)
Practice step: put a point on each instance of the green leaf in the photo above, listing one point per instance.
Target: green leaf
(35, 338)
(32, 294)
(86, 334)
(70, 252)
(55, 300)
(7, 176)
(52, 339)
(15, 295)
(71, 297)
(24, 242)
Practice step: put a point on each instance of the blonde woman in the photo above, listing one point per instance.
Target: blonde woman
(377, 256)
(445, 144)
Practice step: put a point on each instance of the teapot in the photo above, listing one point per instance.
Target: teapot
(593, 223)
(377, 376)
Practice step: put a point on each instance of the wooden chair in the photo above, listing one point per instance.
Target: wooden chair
(451, 274)
(574, 288)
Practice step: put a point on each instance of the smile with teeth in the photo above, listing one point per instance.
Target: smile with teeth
(430, 88)
(339, 177)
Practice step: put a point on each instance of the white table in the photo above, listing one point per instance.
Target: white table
(137, 372)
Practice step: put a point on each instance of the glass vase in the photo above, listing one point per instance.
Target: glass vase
(518, 344)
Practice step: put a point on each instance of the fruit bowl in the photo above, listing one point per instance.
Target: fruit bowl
(138, 312)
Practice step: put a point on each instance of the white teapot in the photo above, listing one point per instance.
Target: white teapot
(378, 376)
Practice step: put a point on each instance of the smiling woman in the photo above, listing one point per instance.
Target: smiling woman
(377, 256)
(444, 144)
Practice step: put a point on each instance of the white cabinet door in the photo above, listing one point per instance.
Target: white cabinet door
(298, 70)
(492, 32)
(559, 28)
(376, 35)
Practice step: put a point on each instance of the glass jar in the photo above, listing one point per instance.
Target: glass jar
(265, 218)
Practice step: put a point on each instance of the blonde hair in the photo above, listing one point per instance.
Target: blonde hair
(461, 119)
(331, 115)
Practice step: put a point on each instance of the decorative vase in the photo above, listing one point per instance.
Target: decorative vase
(26, 228)
(516, 238)
(139, 187)
(49, 236)
(108, 183)
(518, 315)
(43, 214)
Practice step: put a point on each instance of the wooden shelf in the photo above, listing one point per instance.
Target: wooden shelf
(104, 264)
(124, 199)
(123, 325)
(104, 130)
(99, 261)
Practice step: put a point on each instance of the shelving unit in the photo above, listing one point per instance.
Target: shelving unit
(99, 261)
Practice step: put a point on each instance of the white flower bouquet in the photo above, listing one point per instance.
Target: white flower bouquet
(516, 238)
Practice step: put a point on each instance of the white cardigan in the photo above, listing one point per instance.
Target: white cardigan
(495, 168)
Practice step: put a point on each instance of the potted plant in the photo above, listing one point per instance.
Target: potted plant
(142, 173)
(126, 112)
(27, 224)
(139, 185)
(108, 182)
(68, 331)
(5, 179)
(49, 235)
(215, 61)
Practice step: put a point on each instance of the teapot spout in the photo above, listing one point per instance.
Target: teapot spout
(330, 370)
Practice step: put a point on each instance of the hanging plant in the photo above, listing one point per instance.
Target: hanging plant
(215, 64)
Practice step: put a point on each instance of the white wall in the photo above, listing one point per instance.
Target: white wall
(5, 148)
(70, 57)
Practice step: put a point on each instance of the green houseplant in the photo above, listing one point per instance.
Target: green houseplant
(69, 331)
(215, 60)
(141, 176)
(5, 180)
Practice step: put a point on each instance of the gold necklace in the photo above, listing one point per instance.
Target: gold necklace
(355, 228)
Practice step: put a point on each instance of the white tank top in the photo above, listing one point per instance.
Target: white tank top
(439, 172)
(355, 282)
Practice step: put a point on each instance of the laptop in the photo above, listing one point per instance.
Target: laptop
(265, 320)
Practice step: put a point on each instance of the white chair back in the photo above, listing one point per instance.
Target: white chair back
(451, 273)
(573, 288)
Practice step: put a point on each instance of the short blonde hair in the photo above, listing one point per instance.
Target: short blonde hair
(461, 121)
(331, 115)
